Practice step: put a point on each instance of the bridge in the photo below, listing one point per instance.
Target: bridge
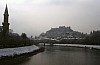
(64, 41)
(44, 42)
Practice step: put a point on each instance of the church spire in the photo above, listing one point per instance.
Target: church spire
(6, 10)
(5, 23)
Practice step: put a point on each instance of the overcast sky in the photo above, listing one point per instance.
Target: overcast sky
(36, 16)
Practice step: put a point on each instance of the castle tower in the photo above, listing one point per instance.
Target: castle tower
(5, 23)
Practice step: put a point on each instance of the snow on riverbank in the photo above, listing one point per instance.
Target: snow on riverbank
(79, 45)
(17, 51)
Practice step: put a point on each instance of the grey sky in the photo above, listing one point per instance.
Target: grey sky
(36, 16)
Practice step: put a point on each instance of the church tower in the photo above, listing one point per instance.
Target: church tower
(5, 23)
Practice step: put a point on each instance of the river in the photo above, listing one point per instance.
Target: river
(60, 55)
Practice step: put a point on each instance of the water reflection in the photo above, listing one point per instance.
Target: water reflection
(14, 61)
(66, 56)
(57, 55)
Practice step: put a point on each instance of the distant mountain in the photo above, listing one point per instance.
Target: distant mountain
(61, 32)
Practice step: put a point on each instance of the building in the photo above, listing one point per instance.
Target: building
(0, 28)
(5, 28)
(61, 33)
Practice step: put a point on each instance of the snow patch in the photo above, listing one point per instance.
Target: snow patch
(79, 45)
(18, 50)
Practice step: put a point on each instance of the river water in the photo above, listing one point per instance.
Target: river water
(59, 55)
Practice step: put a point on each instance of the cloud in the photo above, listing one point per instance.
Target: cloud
(13, 1)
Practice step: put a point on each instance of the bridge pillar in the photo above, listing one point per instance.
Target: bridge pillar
(44, 44)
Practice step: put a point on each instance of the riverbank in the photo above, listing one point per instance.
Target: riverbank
(19, 51)
(79, 46)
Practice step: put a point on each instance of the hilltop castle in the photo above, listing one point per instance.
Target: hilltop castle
(61, 32)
